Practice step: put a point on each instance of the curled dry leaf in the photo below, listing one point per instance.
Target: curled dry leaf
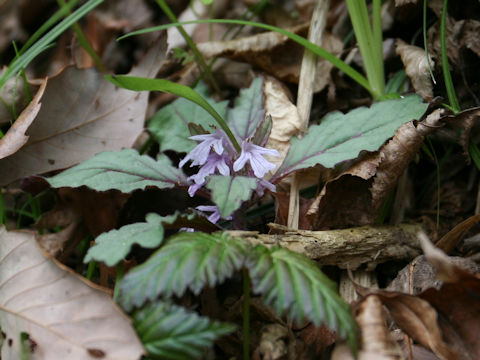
(356, 195)
(275, 54)
(82, 114)
(285, 119)
(457, 302)
(416, 317)
(416, 66)
(63, 315)
(15, 137)
(376, 338)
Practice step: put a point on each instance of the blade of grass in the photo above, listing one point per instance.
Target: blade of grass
(452, 97)
(22, 61)
(145, 84)
(82, 39)
(48, 24)
(341, 65)
(425, 43)
(366, 42)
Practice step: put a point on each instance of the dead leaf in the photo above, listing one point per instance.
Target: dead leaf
(457, 302)
(451, 239)
(82, 114)
(64, 316)
(420, 275)
(285, 119)
(372, 321)
(416, 317)
(15, 137)
(416, 67)
(275, 54)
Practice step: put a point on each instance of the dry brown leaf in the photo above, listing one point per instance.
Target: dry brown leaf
(285, 119)
(460, 35)
(457, 302)
(416, 67)
(82, 114)
(451, 239)
(372, 321)
(275, 54)
(15, 137)
(64, 316)
(416, 317)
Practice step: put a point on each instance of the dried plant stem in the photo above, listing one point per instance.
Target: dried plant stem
(305, 93)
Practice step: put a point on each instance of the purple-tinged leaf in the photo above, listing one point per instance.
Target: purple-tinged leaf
(341, 137)
(248, 112)
(228, 192)
(125, 170)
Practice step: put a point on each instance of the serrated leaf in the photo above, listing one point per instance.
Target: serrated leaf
(113, 246)
(125, 170)
(228, 192)
(169, 126)
(341, 137)
(188, 261)
(168, 331)
(248, 112)
(293, 285)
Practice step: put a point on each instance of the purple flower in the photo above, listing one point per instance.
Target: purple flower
(264, 184)
(215, 216)
(214, 162)
(200, 153)
(254, 154)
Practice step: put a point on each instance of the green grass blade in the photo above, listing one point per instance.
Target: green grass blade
(342, 66)
(22, 61)
(145, 84)
(452, 97)
(48, 24)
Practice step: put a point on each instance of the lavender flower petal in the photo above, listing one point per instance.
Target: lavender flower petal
(200, 153)
(254, 154)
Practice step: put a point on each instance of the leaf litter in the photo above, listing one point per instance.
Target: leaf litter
(338, 195)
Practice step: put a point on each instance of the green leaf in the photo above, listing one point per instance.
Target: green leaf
(169, 126)
(113, 246)
(23, 60)
(341, 137)
(125, 170)
(248, 112)
(187, 261)
(228, 192)
(145, 84)
(293, 285)
(168, 331)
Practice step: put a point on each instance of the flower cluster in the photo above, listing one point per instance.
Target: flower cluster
(215, 154)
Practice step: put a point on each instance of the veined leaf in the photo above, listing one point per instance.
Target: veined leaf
(188, 261)
(125, 170)
(341, 137)
(228, 192)
(293, 285)
(248, 112)
(169, 126)
(168, 331)
(65, 316)
(111, 247)
(145, 84)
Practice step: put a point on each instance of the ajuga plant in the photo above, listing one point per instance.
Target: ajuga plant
(226, 148)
